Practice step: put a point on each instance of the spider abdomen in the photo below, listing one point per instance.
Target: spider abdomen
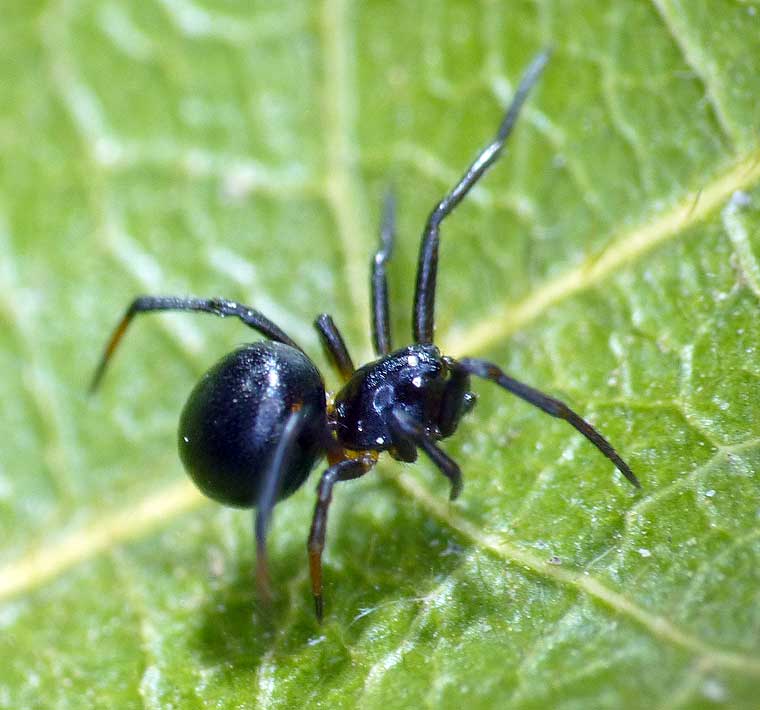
(236, 414)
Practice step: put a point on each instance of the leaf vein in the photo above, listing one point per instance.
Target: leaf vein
(627, 247)
(659, 626)
(343, 190)
(55, 557)
(702, 66)
(736, 228)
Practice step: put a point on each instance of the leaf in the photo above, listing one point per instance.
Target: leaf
(612, 258)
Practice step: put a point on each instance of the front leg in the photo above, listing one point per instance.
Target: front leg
(555, 408)
(381, 327)
(341, 471)
(408, 432)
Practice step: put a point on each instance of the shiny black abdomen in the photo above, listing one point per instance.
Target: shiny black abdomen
(413, 378)
(235, 416)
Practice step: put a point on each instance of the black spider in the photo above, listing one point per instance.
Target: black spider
(259, 420)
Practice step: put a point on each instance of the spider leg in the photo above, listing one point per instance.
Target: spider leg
(489, 371)
(341, 471)
(335, 346)
(217, 306)
(381, 329)
(410, 430)
(423, 315)
(270, 491)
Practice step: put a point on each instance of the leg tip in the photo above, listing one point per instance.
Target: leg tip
(263, 584)
(319, 607)
(626, 471)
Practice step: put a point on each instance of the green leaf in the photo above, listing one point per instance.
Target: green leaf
(611, 258)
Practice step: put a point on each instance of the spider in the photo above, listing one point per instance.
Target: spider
(259, 420)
